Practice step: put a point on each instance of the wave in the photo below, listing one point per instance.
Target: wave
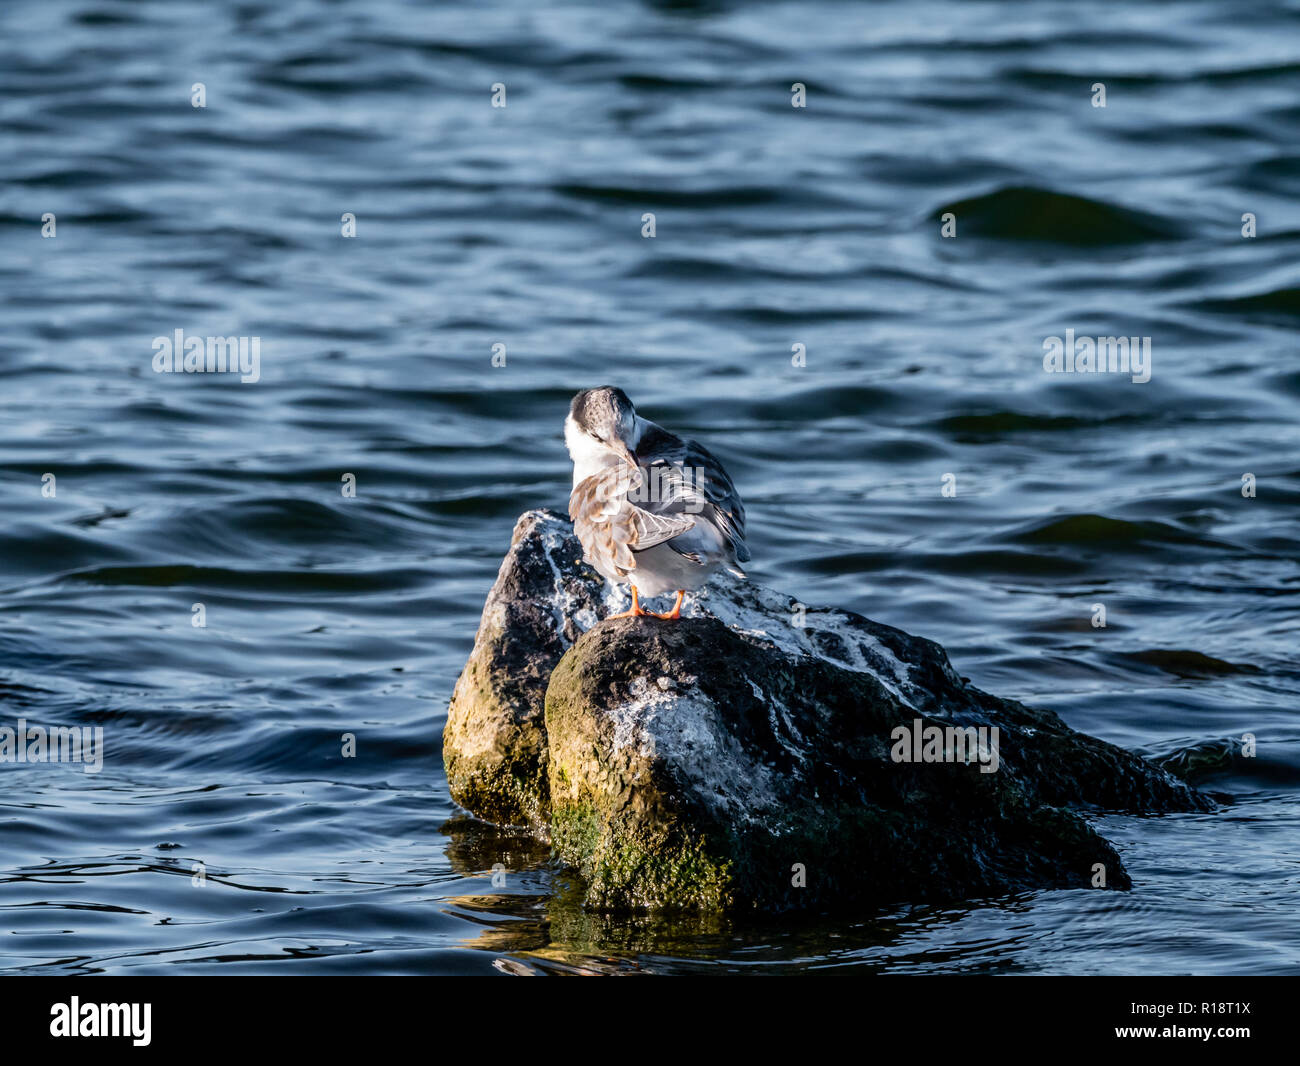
(1284, 302)
(1101, 530)
(1188, 663)
(1223, 756)
(1026, 213)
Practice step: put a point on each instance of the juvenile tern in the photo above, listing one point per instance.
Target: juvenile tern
(651, 510)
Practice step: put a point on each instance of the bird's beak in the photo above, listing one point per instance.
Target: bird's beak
(626, 453)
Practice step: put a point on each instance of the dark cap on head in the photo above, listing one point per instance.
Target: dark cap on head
(600, 410)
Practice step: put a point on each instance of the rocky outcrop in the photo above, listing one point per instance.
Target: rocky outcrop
(758, 753)
(494, 744)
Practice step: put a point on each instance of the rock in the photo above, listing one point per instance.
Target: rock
(494, 743)
(747, 754)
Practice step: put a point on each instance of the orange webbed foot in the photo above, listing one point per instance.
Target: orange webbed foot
(676, 612)
(635, 611)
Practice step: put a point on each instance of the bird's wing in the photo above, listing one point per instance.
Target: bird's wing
(685, 478)
(612, 527)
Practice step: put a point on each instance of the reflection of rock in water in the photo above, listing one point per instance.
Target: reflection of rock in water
(511, 910)
(561, 935)
(477, 846)
(749, 756)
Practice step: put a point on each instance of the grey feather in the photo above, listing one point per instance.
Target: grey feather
(692, 480)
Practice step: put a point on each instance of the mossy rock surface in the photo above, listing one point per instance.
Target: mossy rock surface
(494, 743)
(693, 766)
(744, 756)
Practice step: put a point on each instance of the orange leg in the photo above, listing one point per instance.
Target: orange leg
(635, 611)
(676, 612)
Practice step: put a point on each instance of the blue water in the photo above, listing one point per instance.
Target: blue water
(522, 226)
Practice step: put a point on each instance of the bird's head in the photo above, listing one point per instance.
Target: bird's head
(602, 421)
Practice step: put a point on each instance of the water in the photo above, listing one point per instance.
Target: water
(521, 226)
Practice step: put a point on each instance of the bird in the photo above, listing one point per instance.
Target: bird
(651, 509)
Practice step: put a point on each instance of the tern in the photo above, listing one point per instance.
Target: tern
(651, 509)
